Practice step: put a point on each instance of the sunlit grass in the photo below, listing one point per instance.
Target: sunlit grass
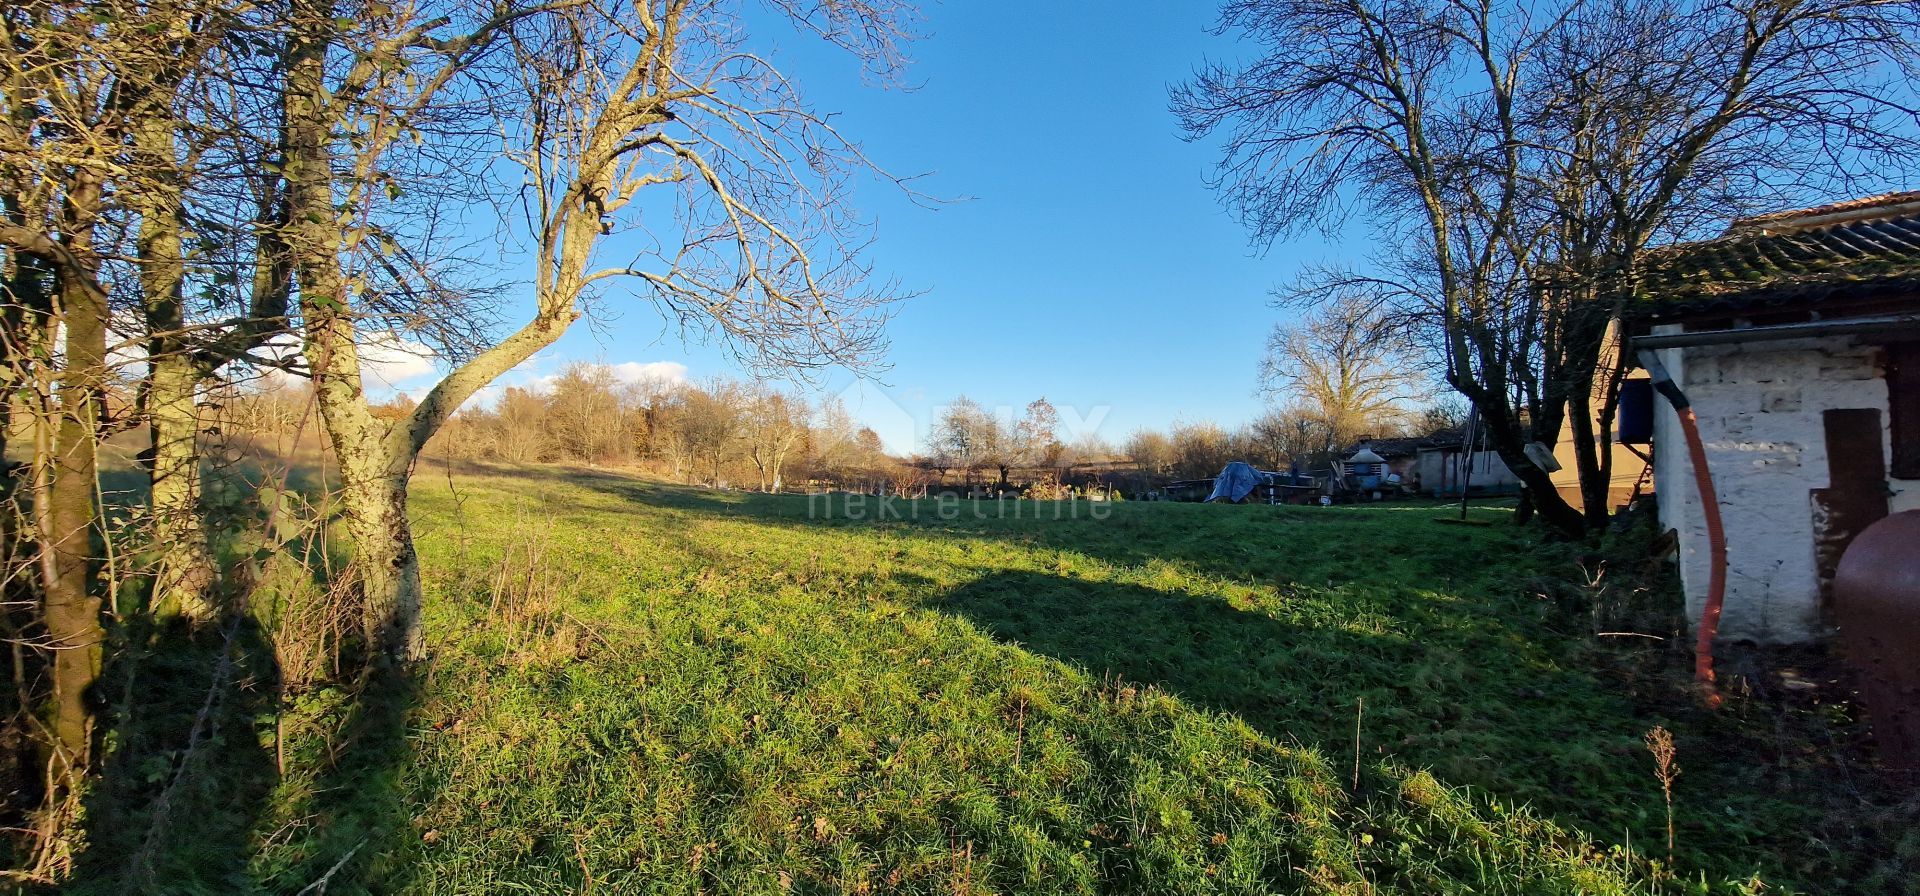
(727, 695)
(641, 688)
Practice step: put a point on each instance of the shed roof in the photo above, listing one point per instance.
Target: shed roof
(1862, 249)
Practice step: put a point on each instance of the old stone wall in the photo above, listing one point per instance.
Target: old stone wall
(1759, 408)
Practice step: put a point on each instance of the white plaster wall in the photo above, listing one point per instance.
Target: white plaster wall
(1443, 465)
(1759, 408)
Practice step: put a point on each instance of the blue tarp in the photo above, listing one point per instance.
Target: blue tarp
(1235, 482)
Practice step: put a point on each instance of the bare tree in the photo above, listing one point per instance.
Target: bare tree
(1037, 435)
(1346, 364)
(968, 437)
(523, 433)
(1296, 434)
(1490, 143)
(583, 416)
(1151, 451)
(1200, 449)
(181, 179)
(711, 424)
(773, 423)
(614, 99)
(648, 399)
(86, 98)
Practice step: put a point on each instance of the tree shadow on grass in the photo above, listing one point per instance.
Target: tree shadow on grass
(1499, 718)
(1395, 543)
(217, 780)
(349, 795)
(193, 803)
(1460, 668)
(188, 774)
(1302, 621)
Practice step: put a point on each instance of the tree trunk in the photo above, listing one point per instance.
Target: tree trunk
(374, 495)
(1545, 499)
(26, 300)
(186, 576)
(373, 485)
(779, 465)
(72, 607)
(1509, 442)
(185, 579)
(1595, 475)
(374, 466)
(1594, 446)
(760, 467)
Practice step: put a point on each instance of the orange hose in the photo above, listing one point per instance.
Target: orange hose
(1716, 558)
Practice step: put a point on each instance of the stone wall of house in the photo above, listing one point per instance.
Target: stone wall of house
(1759, 408)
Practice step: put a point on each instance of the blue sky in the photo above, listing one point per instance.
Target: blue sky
(1089, 262)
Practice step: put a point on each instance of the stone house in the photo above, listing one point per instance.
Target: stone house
(1796, 338)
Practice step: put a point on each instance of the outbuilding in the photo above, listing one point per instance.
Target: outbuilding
(1795, 336)
(1446, 467)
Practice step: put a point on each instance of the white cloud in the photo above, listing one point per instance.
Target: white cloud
(278, 348)
(650, 371)
(488, 396)
(390, 360)
(389, 363)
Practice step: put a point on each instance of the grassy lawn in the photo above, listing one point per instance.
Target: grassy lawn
(640, 688)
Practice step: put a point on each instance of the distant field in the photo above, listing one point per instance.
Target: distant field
(642, 688)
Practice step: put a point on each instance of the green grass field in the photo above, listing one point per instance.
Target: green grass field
(638, 688)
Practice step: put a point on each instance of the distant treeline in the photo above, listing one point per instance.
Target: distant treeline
(719, 432)
(745, 434)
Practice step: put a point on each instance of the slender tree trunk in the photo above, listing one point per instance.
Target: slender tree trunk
(25, 302)
(72, 606)
(1595, 477)
(373, 481)
(1594, 448)
(760, 467)
(374, 467)
(186, 574)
